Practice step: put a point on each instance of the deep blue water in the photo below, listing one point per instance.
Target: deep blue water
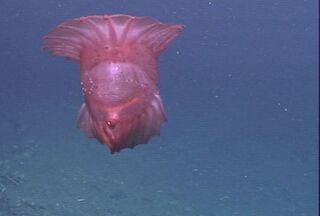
(240, 89)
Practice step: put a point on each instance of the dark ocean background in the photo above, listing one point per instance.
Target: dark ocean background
(240, 89)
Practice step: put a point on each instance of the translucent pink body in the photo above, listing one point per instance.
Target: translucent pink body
(118, 72)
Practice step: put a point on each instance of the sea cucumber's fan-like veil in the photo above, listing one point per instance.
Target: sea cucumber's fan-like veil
(71, 37)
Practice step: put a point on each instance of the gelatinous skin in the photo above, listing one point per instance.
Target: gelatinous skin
(118, 72)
